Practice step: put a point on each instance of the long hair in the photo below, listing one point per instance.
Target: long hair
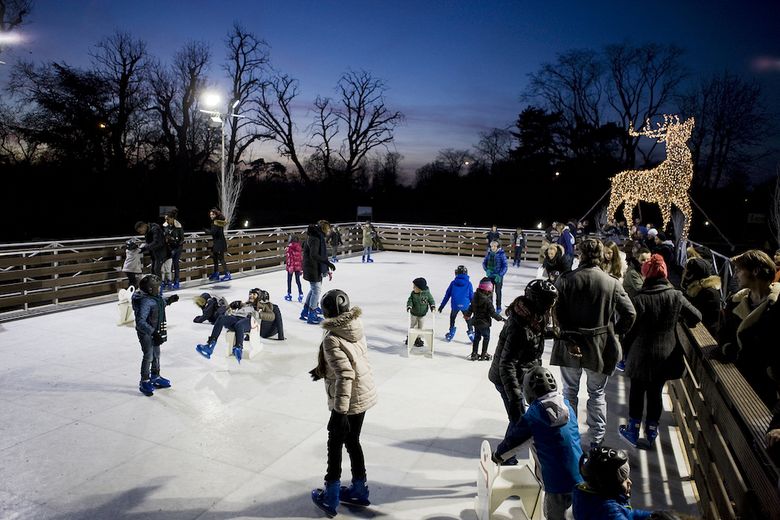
(614, 266)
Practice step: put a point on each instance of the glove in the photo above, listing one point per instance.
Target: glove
(338, 422)
(496, 459)
(331, 266)
(315, 375)
(433, 308)
(171, 299)
(441, 308)
(408, 309)
(235, 305)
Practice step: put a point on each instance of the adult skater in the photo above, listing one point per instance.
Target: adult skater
(154, 244)
(495, 267)
(592, 311)
(174, 238)
(368, 241)
(219, 245)
(335, 241)
(343, 363)
(315, 268)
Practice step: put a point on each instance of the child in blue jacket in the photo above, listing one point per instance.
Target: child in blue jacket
(552, 423)
(461, 291)
(151, 327)
(495, 267)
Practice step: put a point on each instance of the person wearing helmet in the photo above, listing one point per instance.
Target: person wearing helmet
(237, 319)
(461, 291)
(151, 328)
(343, 363)
(482, 313)
(211, 308)
(551, 423)
(520, 344)
(593, 309)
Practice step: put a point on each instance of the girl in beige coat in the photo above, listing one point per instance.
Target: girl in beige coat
(343, 363)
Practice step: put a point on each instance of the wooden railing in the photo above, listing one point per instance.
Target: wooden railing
(722, 423)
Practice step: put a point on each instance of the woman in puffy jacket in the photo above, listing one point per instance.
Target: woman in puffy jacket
(293, 259)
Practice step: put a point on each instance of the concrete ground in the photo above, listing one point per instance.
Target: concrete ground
(77, 439)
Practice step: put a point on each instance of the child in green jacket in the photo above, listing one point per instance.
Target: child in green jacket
(420, 300)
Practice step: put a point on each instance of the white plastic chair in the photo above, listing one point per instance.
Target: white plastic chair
(251, 348)
(125, 305)
(497, 483)
(427, 335)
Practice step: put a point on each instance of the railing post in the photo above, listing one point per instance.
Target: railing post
(55, 276)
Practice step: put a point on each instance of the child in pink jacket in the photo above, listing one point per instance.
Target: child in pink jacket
(293, 258)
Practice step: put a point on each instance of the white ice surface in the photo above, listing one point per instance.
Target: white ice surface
(77, 439)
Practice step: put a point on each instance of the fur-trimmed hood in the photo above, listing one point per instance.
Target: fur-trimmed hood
(346, 325)
(711, 282)
(743, 304)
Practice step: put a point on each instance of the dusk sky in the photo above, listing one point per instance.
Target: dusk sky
(454, 68)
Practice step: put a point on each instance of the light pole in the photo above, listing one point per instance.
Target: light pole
(212, 100)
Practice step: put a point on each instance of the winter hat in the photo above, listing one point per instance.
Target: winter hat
(697, 269)
(655, 267)
(486, 285)
(420, 283)
(652, 232)
(661, 237)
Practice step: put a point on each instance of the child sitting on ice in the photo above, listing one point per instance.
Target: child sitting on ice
(481, 312)
(420, 300)
(461, 291)
(552, 423)
(238, 319)
(211, 308)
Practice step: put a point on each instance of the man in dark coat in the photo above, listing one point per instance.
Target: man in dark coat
(155, 244)
(593, 310)
(315, 267)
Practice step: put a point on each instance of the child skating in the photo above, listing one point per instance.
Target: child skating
(151, 327)
(460, 291)
(293, 259)
(418, 304)
(481, 313)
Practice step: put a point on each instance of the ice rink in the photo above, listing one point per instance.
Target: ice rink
(77, 439)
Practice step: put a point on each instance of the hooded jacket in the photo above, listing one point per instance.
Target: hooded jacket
(593, 309)
(589, 505)
(499, 267)
(133, 261)
(217, 231)
(368, 235)
(174, 235)
(315, 255)
(483, 310)
(461, 291)
(155, 240)
(560, 264)
(419, 303)
(704, 294)
(653, 338)
(552, 423)
(343, 363)
(749, 338)
(293, 257)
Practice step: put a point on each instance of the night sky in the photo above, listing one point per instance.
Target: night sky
(454, 68)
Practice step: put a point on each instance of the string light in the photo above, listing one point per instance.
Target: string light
(666, 184)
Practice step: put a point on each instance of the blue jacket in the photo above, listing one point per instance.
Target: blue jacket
(461, 291)
(147, 311)
(588, 505)
(551, 421)
(566, 240)
(500, 264)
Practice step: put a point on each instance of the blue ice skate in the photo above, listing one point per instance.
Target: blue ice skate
(288, 297)
(356, 494)
(327, 499)
(146, 388)
(159, 381)
(451, 334)
(206, 349)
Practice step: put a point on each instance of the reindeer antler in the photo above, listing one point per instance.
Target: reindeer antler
(660, 130)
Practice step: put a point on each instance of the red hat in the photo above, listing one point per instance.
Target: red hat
(655, 267)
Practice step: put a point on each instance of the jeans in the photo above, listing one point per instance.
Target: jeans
(334, 250)
(555, 505)
(219, 258)
(297, 281)
(238, 324)
(367, 252)
(497, 290)
(157, 262)
(597, 402)
(454, 314)
(313, 298)
(338, 438)
(481, 333)
(518, 256)
(175, 256)
(150, 363)
(636, 399)
(269, 328)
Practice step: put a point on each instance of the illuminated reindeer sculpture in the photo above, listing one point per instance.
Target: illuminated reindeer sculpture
(666, 184)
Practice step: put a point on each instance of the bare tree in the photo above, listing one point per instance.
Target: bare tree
(730, 122)
(493, 146)
(229, 190)
(369, 123)
(122, 62)
(643, 79)
(324, 130)
(452, 160)
(247, 57)
(273, 112)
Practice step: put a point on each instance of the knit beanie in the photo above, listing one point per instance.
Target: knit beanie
(655, 267)
(486, 285)
(420, 283)
(652, 232)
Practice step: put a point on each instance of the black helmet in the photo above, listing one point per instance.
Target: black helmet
(542, 295)
(132, 244)
(263, 296)
(538, 382)
(150, 284)
(605, 469)
(334, 303)
(461, 269)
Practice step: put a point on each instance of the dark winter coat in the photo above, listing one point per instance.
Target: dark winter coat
(519, 240)
(293, 258)
(560, 264)
(174, 235)
(592, 311)
(155, 240)
(589, 505)
(552, 423)
(211, 308)
(705, 296)
(315, 255)
(461, 291)
(499, 265)
(482, 311)
(520, 346)
(150, 315)
(749, 339)
(217, 232)
(419, 303)
(335, 238)
(652, 340)
(632, 281)
(566, 241)
(493, 236)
